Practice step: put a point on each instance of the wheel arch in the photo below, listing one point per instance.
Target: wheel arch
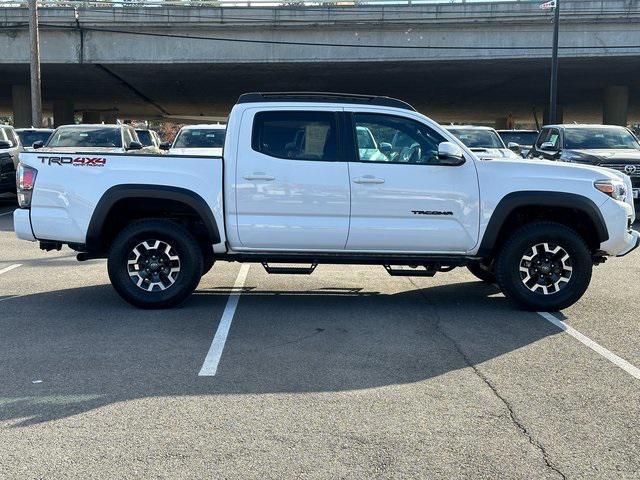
(190, 202)
(517, 208)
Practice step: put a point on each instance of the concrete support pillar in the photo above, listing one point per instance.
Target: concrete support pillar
(559, 115)
(21, 103)
(90, 117)
(62, 112)
(616, 105)
(110, 117)
(504, 123)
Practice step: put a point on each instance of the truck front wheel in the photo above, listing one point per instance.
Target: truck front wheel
(154, 263)
(544, 266)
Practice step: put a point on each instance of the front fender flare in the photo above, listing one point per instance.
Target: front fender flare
(514, 200)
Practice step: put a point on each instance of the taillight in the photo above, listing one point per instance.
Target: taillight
(25, 180)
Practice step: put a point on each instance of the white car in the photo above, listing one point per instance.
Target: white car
(206, 140)
(296, 185)
(483, 141)
(92, 138)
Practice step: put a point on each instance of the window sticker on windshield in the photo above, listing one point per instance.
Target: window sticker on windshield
(315, 137)
(553, 138)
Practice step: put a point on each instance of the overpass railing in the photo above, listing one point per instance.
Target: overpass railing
(602, 5)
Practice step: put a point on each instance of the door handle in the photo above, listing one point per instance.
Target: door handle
(259, 176)
(368, 179)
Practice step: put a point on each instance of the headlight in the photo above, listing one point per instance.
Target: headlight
(616, 189)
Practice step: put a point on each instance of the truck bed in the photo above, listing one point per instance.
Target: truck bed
(70, 185)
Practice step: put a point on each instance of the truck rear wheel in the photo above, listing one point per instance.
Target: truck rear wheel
(154, 264)
(544, 266)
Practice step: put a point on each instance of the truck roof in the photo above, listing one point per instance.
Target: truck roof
(324, 97)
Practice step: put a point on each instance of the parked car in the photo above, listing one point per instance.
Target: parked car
(483, 141)
(519, 141)
(537, 228)
(608, 146)
(207, 140)
(9, 150)
(29, 136)
(92, 138)
(148, 138)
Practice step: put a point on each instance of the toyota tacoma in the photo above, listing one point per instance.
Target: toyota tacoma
(294, 188)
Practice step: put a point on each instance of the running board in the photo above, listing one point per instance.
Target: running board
(289, 270)
(424, 271)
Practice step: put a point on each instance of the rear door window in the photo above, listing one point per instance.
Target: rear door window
(296, 135)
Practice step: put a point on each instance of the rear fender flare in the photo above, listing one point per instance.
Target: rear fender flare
(122, 192)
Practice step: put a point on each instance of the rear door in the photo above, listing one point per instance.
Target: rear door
(292, 187)
(402, 198)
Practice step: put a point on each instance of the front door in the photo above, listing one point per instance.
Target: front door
(292, 189)
(402, 198)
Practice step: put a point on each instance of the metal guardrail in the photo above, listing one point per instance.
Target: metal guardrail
(602, 5)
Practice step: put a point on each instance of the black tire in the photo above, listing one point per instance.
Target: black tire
(207, 258)
(479, 271)
(177, 285)
(540, 286)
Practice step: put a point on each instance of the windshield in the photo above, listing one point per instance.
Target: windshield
(200, 138)
(521, 138)
(145, 138)
(476, 138)
(594, 138)
(29, 137)
(86, 137)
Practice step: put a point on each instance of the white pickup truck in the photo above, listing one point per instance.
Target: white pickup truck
(295, 187)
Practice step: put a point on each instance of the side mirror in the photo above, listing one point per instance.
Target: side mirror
(135, 146)
(549, 146)
(515, 147)
(4, 144)
(38, 144)
(450, 154)
(165, 145)
(385, 148)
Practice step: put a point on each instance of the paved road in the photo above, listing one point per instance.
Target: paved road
(348, 373)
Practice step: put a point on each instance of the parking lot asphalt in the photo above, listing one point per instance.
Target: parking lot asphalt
(347, 373)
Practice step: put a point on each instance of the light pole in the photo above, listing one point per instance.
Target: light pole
(36, 101)
(553, 90)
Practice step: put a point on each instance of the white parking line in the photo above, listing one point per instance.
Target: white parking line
(596, 347)
(10, 267)
(210, 365)
(10, 297)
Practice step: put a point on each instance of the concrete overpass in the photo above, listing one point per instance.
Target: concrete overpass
(475, 62)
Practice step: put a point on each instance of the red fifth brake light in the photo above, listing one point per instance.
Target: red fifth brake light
(25, 180)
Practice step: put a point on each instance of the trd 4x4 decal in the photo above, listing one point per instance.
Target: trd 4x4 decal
(75, 161)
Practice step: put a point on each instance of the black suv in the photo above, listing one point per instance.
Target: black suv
(602, 145)
(9, 150)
